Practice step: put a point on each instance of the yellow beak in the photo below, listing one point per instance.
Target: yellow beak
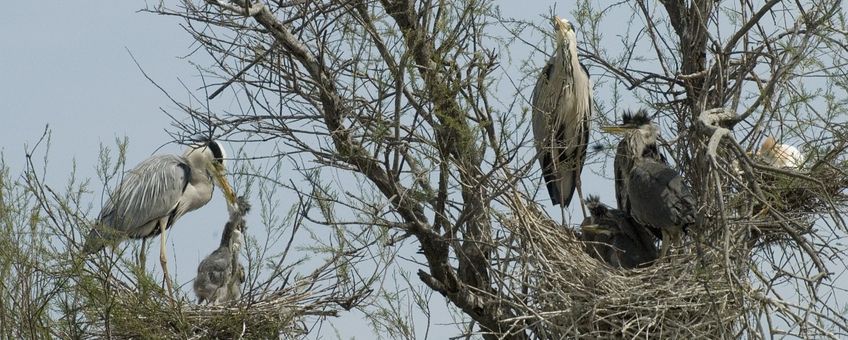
(595, 229)
(558, 24)
(229, 194)
(615, 129)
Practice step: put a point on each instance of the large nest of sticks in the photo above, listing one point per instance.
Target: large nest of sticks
(566, 292)
(145, 310)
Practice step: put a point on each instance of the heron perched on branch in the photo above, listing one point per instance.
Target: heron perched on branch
(156, 193)
(655, 193)
(562, 107)
(613, 237)
(220, 275)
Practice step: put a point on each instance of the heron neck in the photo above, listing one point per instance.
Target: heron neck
(573, 75)
(228, 234)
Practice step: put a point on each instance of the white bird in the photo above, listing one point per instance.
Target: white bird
(780, 155)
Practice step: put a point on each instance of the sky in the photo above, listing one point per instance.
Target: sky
(71, 69)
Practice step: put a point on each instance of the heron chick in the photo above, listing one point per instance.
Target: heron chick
(656, 194)
(220, 275)
(615, 238)
(562, 108)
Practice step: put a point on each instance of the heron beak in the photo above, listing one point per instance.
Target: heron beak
(616, 129)
(595, 229)
(562, 25)
(229, 194)
(558, 24)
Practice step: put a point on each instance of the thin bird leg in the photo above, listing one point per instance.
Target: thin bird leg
(164, 261)
(666, 244)
(580, 196)
(142, 254)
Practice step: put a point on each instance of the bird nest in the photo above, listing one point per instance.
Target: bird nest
(145, 310)
(567, 293)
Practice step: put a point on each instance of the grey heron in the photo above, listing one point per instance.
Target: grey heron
(220, 275)
(656, 194)
(623, 162)
(613, 237)
(780, 155)
(157, 192)
(562, 107)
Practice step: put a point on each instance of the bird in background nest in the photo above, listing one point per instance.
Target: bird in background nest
(776, 155)
(220, 275)
(780, 155)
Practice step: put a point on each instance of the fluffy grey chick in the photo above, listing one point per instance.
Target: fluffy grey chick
(615, 238)
(220, 275)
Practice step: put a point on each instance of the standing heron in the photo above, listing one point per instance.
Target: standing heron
(220, 275)
(613, 237)
(624, 160)
(157, 192)
(656, 194)
(562, 107)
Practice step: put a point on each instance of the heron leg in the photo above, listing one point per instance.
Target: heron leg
(164, 261)
(580, 196)
(142, 253)
(666, 244)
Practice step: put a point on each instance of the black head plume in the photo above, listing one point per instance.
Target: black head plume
(637, 118)
(217, 151)
(596, 208)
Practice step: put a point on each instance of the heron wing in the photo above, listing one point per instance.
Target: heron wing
(561, 136)
(658, 196)
(622, 166)
(682, 202)
(215, 268)
(149, 191)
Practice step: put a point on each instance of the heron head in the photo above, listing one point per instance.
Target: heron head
(596, 208)
(564, 30)
(212, 157)
(638, 123)
(637, 128)
(767, 146)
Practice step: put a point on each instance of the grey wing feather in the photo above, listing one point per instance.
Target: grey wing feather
(561, 166)
(658, 197)
(212, 273)
(149, 191)
(682, 202)
(622, 166)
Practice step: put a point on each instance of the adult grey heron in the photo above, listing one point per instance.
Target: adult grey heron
(656, 194)
(157, 192)
(613, 237)
(562, 107)
(623, 162)
(220, 275)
